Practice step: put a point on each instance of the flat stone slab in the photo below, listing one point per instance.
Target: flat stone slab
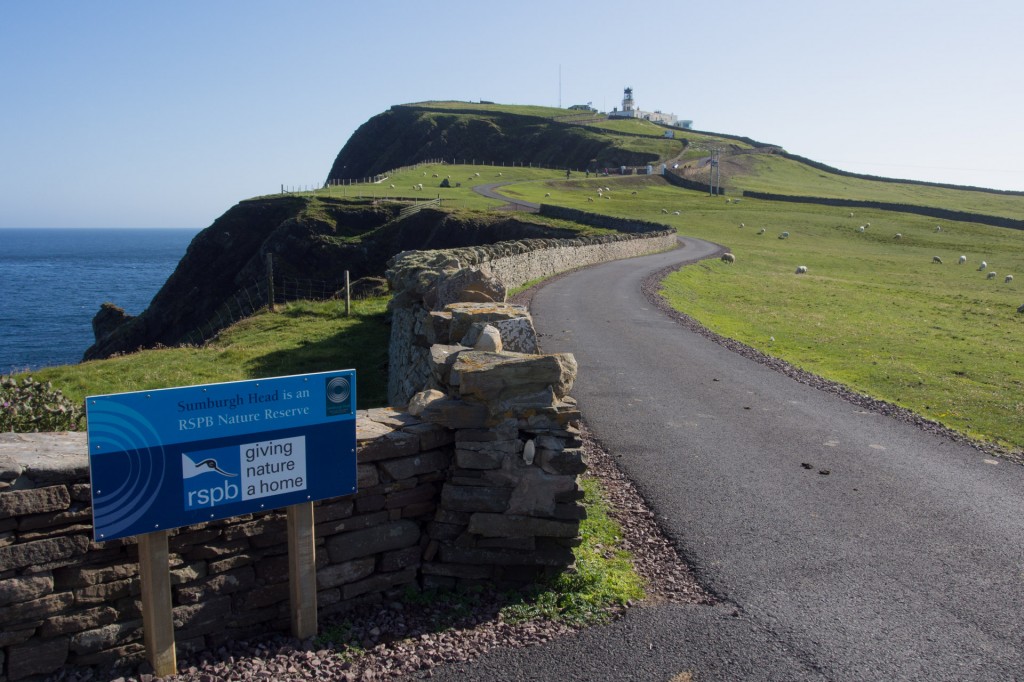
(44, 457)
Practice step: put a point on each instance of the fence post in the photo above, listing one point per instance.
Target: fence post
(270, 281)
(348, 296)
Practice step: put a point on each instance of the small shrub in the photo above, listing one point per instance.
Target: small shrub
(29, 406)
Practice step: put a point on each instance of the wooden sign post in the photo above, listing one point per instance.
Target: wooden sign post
(302, 570)
(157, 621)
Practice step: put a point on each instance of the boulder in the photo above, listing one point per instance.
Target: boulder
(488, 340)
(419, 402)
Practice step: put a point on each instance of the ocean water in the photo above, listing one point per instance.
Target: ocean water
(52, 282)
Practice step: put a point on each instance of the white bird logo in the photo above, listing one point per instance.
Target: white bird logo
(190, 469)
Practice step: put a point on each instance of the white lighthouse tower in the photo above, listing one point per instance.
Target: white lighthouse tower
(628, 105)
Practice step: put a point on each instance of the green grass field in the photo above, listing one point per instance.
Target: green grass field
(301, 337)
(873, 312)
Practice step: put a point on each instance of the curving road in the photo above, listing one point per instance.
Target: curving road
(904, 562)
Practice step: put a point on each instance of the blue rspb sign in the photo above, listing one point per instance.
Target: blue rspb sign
(178, 456)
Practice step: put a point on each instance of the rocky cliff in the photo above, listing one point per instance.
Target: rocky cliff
(410, 133)
(310, 238)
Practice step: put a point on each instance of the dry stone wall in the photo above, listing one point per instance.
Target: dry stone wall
(416, 277)
(445, 500)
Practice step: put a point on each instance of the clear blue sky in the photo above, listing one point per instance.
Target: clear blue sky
(141, 114)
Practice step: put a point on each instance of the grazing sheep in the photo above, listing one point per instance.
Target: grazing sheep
(633, 192)
(435, 175)
(499, 175)
(938, 228)
(962, 260)
(991, 275)
(743, 224)
(851, 214)
(784, 235)
(547, 194)
(392, 186)
(424, 173)
(607, 197)
(476, 174)
(801, 270)
(867, 224)
(728, 257)
(898, 235)
(936, 259)
(676, 213)
(590, 199)
(982, 266)
(1007, 279)
(762, 231)
(860, 229)
(665, 211)
(607, 189)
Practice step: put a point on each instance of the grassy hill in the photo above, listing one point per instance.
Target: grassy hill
(873, 312)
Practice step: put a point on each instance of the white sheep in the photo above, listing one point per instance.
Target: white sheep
(898, 235)
(665, 211)
(743, 224)
(991, 275)
(590, 199)
(676, 213)
(938, 228)
(867, 224)
(476, 174)
(606, 196)
(1007, 279)
(860, 229)
(728, 257)
(784, 235)
(607, 189)
(801, 270)
(499, 175)
(547, 194)
(962, 260)
(851, 214)
(936, 259)
(392, 186)
(982, 266)
(762, 231)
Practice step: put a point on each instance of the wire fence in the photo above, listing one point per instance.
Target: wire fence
(257, 296)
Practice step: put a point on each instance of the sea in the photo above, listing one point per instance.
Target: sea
(53, 281)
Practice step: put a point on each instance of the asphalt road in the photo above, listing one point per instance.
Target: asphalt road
(904, 562)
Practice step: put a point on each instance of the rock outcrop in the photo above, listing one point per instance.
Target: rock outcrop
(310, 239)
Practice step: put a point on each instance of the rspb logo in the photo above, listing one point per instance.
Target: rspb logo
(211, 477)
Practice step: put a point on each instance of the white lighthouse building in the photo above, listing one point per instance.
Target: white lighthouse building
(630, 110)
